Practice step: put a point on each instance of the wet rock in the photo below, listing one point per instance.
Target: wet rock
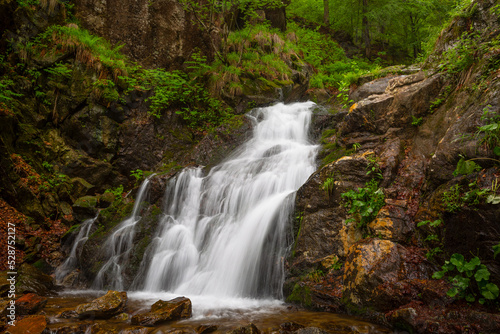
(121, 317)
(104, 329)
(31, 279)
(106, 199)
(392, 223)
(163, 311)
(396, 84)
(248, 329)
(4, 303)
(289, 327)
(112, 303)
(81, 187)
(378, 273)
(68, 314)
(375, 87)
(34, 324)
(135, 330)
(30, 304)
(205, 329)
(73, 328)
(311, 330)
(85, 207)
(157, 34)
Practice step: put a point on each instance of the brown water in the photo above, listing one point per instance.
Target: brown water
(267, 316)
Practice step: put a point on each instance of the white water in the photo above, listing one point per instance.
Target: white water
(224, 235)
(72, 261)
(118, 247)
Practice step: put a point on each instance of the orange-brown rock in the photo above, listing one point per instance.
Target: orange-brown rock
(30, 304)
(34, 324)
(163, 311)
(112, 303)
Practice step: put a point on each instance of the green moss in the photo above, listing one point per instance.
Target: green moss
(71, 230)
(301, 294)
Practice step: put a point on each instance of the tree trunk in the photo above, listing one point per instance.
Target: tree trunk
(326, 13)
(366, 31)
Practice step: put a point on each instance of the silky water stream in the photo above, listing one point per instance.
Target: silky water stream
(222, 237)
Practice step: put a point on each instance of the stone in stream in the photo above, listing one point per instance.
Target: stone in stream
(205, 329)
(34, 324)
(290, 327)
(248, 329)
(112, 303)
(162, 311)
(30, 304)
(31, 279)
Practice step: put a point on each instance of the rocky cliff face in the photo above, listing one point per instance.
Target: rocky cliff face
(154, 33)
(406, 135)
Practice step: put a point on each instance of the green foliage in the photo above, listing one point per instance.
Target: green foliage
(491, 130)
(462, 56)
(60, 70)
(334, 69)
(416, 121)
(7, 95)
(457, 196)
(466, 167)
(138, 174)
(328, 185)
(496, 250)
(301, 294)
(118, 192)
(470, 280)
(343, 95)
(364, 203)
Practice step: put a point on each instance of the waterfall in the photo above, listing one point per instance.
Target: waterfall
(71, 262)
(118, 246)
(224, 234)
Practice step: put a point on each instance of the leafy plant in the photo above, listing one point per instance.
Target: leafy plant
(328, 185)
(416, 121)
(470, 280)
(432, 238)
(343, 95)
(466, 167)
(491, 130)
(364, 203)
(118, 192)
(137, 174)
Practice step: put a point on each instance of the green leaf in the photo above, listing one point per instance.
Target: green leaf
(482, 274)
(436, 223)
(493, 291)
(438, 274)
(458, 260)
(470, 298)
(472, 264)
(452, 292)
(496, 150)
(461, 282)
(422, 223)
(493, 199)
(489, 127)
(496, 249)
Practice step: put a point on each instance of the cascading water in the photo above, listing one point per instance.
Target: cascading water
(118, 246)
(224, 234)
(72, 261)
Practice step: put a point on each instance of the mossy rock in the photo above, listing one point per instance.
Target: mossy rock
(85, 207)
(301, 294)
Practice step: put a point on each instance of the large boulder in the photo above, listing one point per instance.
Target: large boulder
(35, 324)
(163, 311)
(30, 304)
(112, 303)
(380, 274)
(31, 279)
